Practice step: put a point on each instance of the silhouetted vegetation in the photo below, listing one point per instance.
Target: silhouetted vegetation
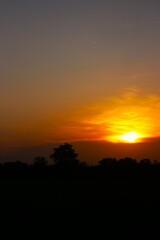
(40, 161)
(65, 155)
(70, 184)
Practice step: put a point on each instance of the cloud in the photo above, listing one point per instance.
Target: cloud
(132, 111)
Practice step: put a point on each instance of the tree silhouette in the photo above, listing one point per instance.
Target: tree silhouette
(40, 161)
(106, 162)
(65, 155)
(127, 162)
(145, 162)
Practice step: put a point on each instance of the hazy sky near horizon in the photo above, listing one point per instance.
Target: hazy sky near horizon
(58, 56)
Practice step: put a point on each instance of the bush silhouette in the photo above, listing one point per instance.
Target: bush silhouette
(65, 155)
(40, 161)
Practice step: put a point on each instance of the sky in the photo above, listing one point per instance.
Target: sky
(78, 71)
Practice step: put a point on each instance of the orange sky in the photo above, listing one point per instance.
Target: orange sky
(113, 118)
(109, 119)
(79, 71)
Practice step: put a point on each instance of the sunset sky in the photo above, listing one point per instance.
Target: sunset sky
(80, 71)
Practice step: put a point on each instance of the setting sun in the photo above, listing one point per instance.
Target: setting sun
(130, 137)
(132, 117)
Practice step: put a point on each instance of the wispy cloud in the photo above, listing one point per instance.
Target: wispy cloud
(132, 111)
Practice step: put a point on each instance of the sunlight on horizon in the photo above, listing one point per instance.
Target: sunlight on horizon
(129, 137)
(130, 118)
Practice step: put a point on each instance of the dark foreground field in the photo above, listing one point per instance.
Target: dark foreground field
(79, 199)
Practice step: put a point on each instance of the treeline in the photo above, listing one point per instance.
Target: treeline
(66, 163)
(42, 194)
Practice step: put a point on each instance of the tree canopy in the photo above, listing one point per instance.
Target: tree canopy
(65, 155)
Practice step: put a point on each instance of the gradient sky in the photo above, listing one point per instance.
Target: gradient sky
(63, 62)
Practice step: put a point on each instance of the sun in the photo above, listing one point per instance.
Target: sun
(130, 137)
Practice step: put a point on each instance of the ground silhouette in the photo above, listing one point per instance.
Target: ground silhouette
(68, 188)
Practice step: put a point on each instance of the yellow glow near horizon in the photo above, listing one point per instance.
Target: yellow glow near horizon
(130, 118)
(130, 137)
